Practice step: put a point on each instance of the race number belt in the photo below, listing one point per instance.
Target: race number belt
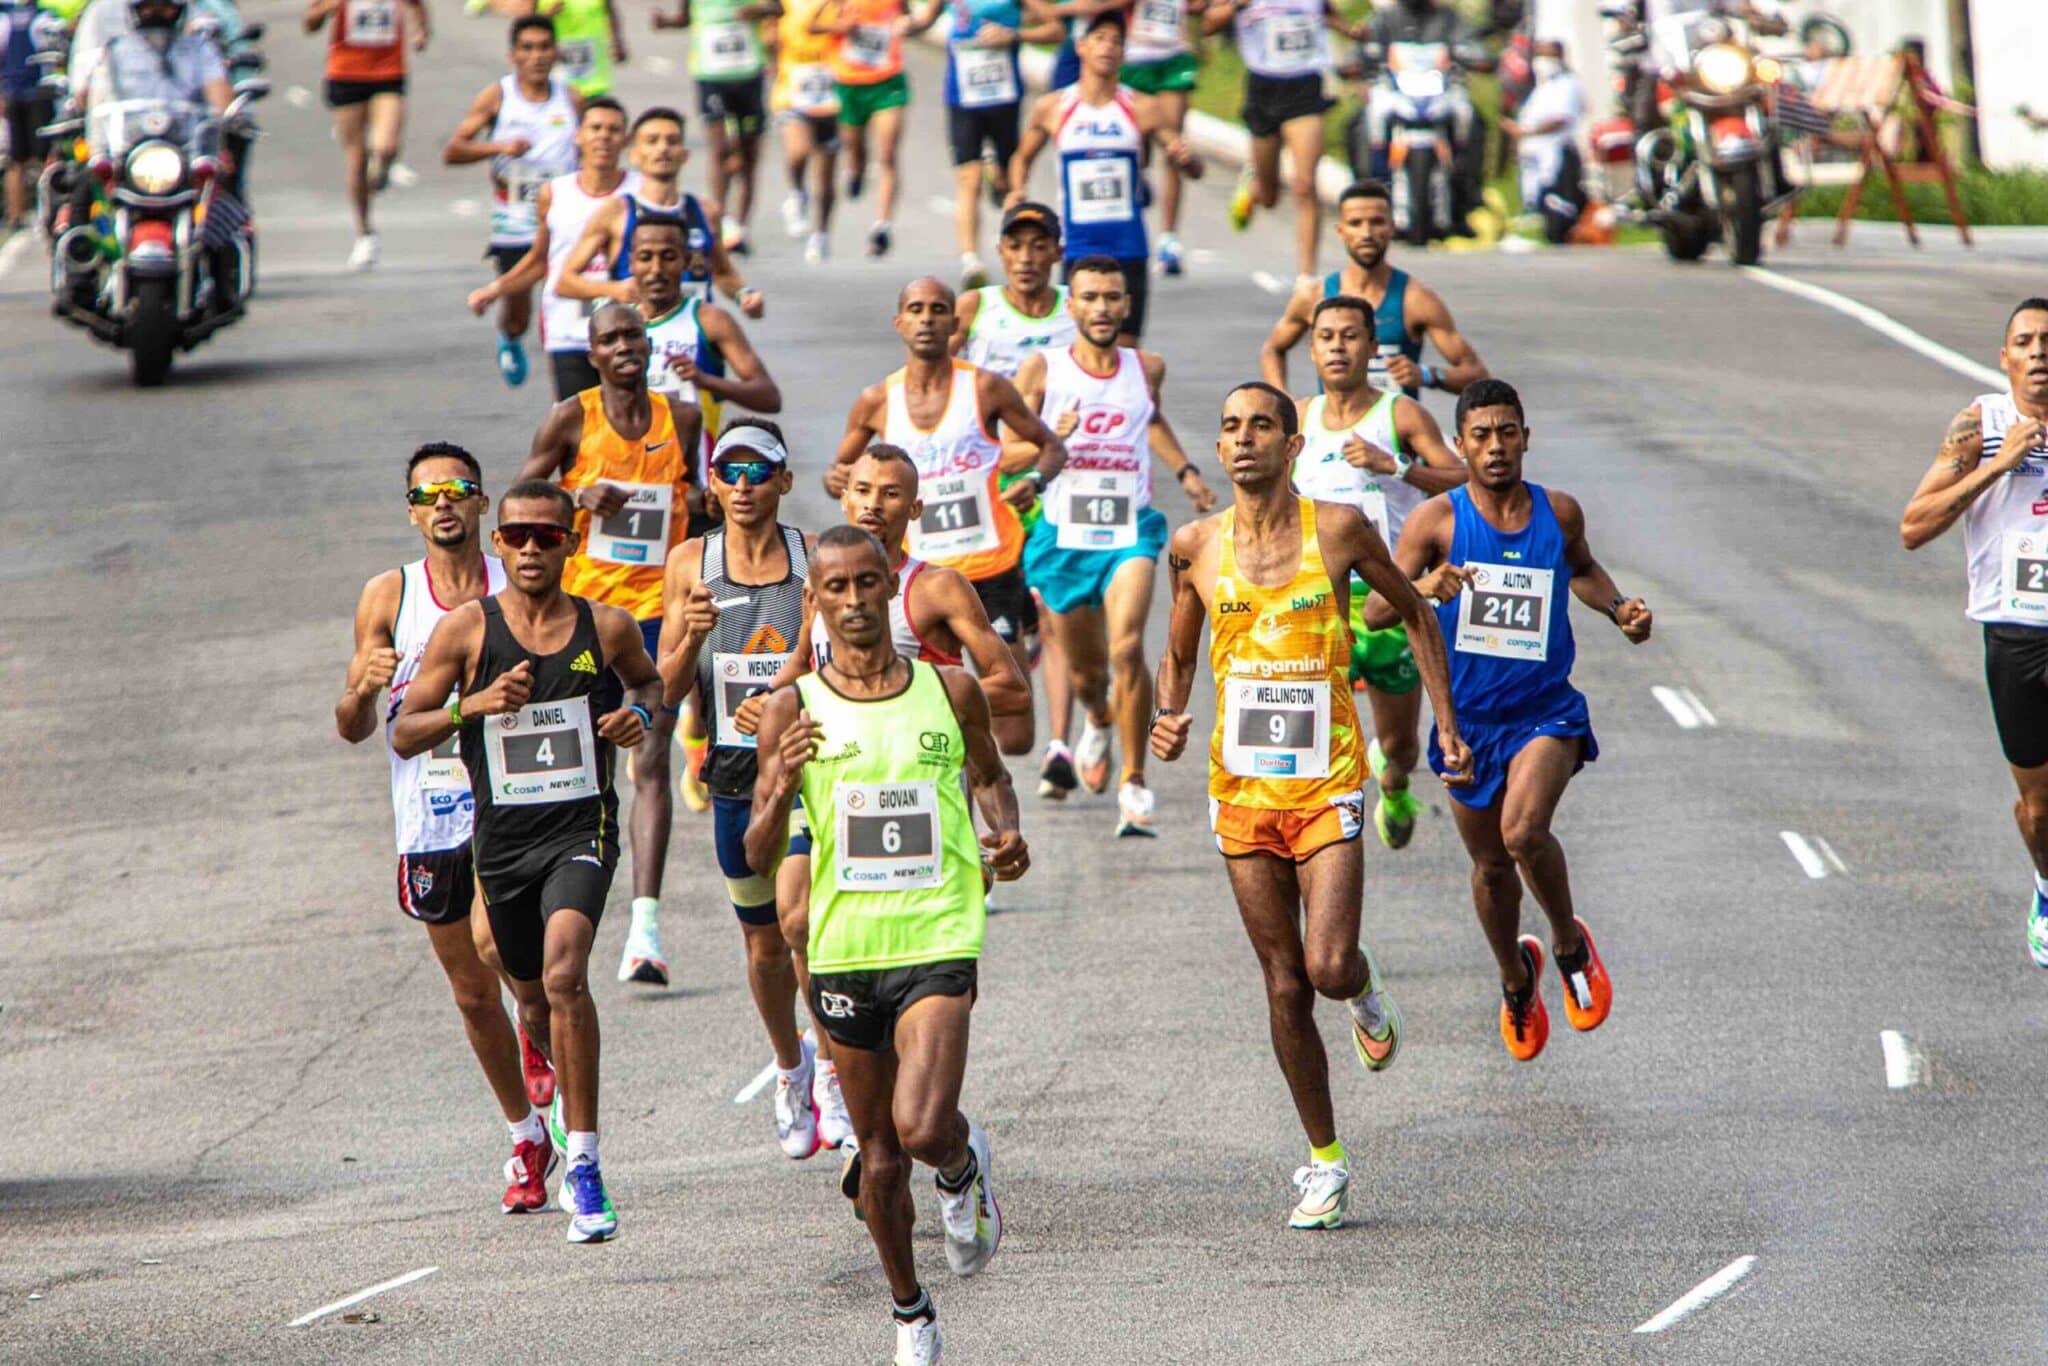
(541, 753)
(887, 837)
(370, 23)
(1290, 44)
(1099, 190)
(1098, 510)
(958, 519)
(1505, 612)
(2024, 575)
(735, 678)
(638, 532)
(1276, 728)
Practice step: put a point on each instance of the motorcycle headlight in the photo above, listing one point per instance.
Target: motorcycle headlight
(155, 168)
(1722, 68)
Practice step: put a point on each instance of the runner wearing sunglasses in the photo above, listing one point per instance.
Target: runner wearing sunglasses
(623, 453)
(537, 740)
(430, 798)
(733, 609)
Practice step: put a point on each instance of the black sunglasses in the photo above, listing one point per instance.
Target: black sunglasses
(547, 535)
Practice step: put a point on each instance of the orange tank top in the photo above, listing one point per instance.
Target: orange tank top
(366, 41)
(873, 51)
(620, 558)
(1286, 735)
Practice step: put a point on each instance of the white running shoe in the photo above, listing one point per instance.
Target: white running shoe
(796, 1112)
(1134, 807)
(364, 253)
(1325, 1190)
(1091, 756)
(918, 1343)
(796, 215)
(403, 176)
(835, 1126)
(817, 249)
(972, 1219)
(641, 960)
(973, 274)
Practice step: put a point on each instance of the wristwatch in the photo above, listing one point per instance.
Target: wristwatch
(1403, 463)
(1035, 475)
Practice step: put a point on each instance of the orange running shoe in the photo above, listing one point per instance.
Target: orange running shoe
(1588, 993)
(1524, 1023)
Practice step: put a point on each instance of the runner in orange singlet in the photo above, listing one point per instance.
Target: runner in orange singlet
(366, 91)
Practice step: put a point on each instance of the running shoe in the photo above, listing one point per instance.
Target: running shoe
(835, 1126)
(1524, 1023)
(1241, 200)
(918, 1342)
(526, 1176)
(732, 233)
(540, 1073)
(972, 1219)
(849, 1179)
(1171, 259)
(1325, 1190)
(558, 1135)
(973, 275)
(796, 1109)
(1588, 992)
(2037, 930)
(879, 239)
(1395, 814)
(593, 1219)
(402, 175)
(696, 796)
(1056, 772)
(1092, 756)
(379, 174)
(512, 361)
(363, 255)
(856, 182)
(1134, 807)
(796, 215)
(476, 9)
(817, 249)
(641, 960)
(1375, 1020)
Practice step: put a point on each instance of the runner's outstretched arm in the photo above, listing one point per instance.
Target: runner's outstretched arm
(1037, 132)
(625, 651)
(1591, 583)
(423, 719)
(1437, 468)
(554, 446)
(528, 271)
(787, 742)
(1003, 404)
(863, 424)
(1007, 689)
(994, 795)
(1424, 538)
(595, 246)
(1959, 474)
(747, 381)
(1461, 366)
(687, 616)
(1185, 619)
(468, 143)
(1289, 330)
(375, 662)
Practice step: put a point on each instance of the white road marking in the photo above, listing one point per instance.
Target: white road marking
(760, 1081)
(1700, 1296)
(1881, 323)
(17, 247)
(1815, 858)
(1904, 1067)
(940, 205)
(324, 1310)
(463, 208)
(1685, 707)
(660, 65)
(404, 176)
(297, 96)
(1202, 256)
(1268, 281)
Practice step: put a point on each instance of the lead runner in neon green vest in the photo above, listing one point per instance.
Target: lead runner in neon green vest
(876, 743)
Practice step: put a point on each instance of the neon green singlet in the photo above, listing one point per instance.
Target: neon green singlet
(723, 46)
(583, 35)
(895, 870)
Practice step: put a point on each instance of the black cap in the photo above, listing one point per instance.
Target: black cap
(1032, 214)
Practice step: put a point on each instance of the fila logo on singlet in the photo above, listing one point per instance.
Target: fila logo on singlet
(583, 664)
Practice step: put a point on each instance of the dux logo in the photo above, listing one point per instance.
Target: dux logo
(835, 1006)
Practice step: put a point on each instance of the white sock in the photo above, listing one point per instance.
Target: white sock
(647, 911)
(582, 1146)
(532, 1129)
(2041, 883)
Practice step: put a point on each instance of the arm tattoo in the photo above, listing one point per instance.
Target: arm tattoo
(1966, 427)
(1180, 564)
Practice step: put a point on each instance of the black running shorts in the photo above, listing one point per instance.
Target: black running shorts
(1007, 600)
(1273, 101)
(437, 888)
(342, 94)
(2016, 671)
(860, 1009)
(520, 898)
(736, 104)
(573, 372)
(971, 129)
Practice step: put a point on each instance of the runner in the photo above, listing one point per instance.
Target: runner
(1270, 575)
(1497, 555)
(430, 792)
(945, 412)
(1159, 70)
(867, 62)
(366, 91)
(1404, 311)
(726, 61)
(1093, 554)
(591, 38)
(896, 933)
(1286, 58)
(1101, 136)
(25, 107)
(733, 604)
(525, 126)
(546, 838)
(806, 103)
(598, 266)
(561, 209)
(1992, 473)
(1382, 453)
(623, 453)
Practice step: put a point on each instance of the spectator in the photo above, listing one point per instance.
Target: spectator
(1546, 133)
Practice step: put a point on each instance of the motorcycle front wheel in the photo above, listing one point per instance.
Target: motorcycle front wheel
(152, 336)
(1742, 214)
(1419, 170)
(1686, 237)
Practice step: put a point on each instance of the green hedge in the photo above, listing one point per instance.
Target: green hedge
(1990, 198)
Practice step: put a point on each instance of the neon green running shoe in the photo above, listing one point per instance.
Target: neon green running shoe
(1375, 1020)
(1394, 817)
(1325, 1191)
(1241, 201)
(558, 1132)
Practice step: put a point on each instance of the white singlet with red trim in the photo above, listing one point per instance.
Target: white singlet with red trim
(429, 792)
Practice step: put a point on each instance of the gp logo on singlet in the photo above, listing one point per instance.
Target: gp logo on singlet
(835, 1006)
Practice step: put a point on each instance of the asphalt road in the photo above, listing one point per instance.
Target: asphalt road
(240, 1092)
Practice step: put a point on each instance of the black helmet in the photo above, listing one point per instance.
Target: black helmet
(158, 8)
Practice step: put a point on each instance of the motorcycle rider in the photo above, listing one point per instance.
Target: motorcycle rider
(1425, 21)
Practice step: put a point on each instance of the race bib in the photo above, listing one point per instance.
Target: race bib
(514, 210)
(958, 519)
(725, 50)
(815, 90)
(441, 767)
(867, 47)
(638, 532)
(1276, 728)
(1505, 612)
(1098, 510)
(1099, 190)
(1158, 23)
(578, 58)
(986, 76)
(544, 752)
(888, 836)
(1292, 43)
(2026, 573)
(370, 23)
(739, 677)
(1376, 372)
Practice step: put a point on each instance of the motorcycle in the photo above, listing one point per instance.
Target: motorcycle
(1714, 171)
(1419, 87)
(172, 259)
